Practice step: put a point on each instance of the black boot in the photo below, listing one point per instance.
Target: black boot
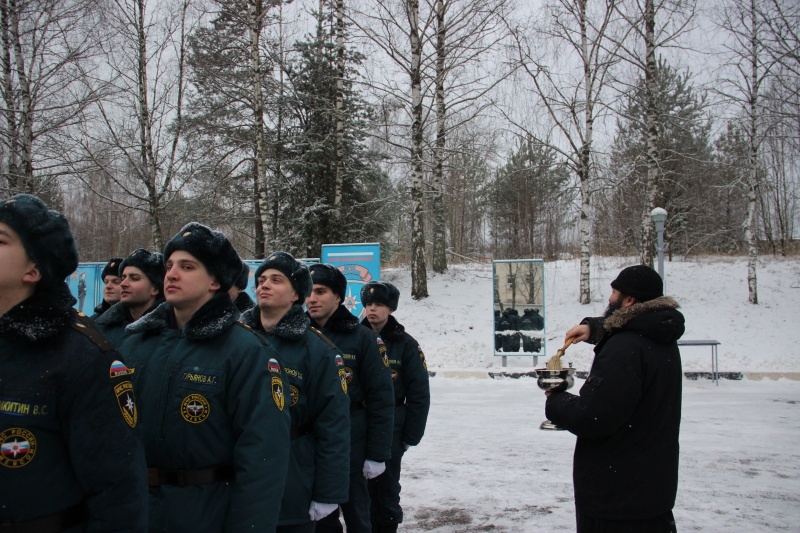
(385, 528)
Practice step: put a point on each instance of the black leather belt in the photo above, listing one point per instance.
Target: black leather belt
(184, 478)
(355, 406)
(54, 523)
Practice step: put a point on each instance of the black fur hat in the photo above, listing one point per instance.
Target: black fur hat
(639, 281)
(210, 247)
(112, 268)
(244, 277)
(45, 234)
(330, 276)
(151, 263)
(381, 292)
(295, 270)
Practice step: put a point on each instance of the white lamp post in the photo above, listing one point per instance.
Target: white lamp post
(659, 216)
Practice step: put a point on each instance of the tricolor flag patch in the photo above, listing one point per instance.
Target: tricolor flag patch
(119, 369)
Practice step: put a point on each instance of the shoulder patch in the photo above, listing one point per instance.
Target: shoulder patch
(277, 392)
(127, 404)
(422, 357)
(118, 369)
(274, 366)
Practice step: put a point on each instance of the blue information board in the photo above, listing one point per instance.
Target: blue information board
(86, 286)
(360, 264)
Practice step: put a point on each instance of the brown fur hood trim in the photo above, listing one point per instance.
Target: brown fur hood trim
(620, 317)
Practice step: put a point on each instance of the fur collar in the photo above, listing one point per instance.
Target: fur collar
(41, 317)
(391, 331)
(118, 314)
(341, 321)
(621, 317)
(213, 318)
(292, 326)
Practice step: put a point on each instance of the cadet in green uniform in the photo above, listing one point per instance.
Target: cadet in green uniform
(369, 385)
(69, 457)
(213, 416)
(412, 398)
(111, 289)
(318, 468)
(142, 285)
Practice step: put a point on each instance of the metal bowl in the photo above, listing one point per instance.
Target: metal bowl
(555, 380)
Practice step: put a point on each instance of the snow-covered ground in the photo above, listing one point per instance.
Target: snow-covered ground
(485, 466)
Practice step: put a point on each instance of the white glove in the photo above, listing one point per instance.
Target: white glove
(373, 469)
(318, 511)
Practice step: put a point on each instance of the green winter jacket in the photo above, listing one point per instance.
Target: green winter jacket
(369, 385)
(320, 458)
(67, 413)
(114, 321)
(411, 385)
(210, 395)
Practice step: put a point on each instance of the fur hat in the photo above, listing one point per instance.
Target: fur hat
(210, 247)
(112, 268)
(330, 276)
(295, 270)
(639, 281)
(151, 263)
(45, 234)
(381, 292)
(244, 277)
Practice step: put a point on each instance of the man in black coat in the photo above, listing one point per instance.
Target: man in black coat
(369, 386)
(69, 457)
(627, 417)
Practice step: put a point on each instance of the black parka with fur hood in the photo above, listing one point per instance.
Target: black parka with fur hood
(627, 417)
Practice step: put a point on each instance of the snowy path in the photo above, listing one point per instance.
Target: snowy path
(485, 466)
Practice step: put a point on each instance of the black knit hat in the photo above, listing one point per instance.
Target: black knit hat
(639, 281)
(381, 292)
(295, 270)
(330, 276)
(112, 268)
(244, 277)
(210, 247)
(151, 263)
(45, 235)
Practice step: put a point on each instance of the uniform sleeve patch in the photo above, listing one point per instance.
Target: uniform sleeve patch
(274, 366)
(339, 360)
(277, 392)
(127, 402)
(422, 357)
(343, 379)
(118, 369)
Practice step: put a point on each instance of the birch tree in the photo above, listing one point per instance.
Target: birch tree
(134, 135)
(750, 68)
(571, 83)
(654, 25)
(47, 47)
